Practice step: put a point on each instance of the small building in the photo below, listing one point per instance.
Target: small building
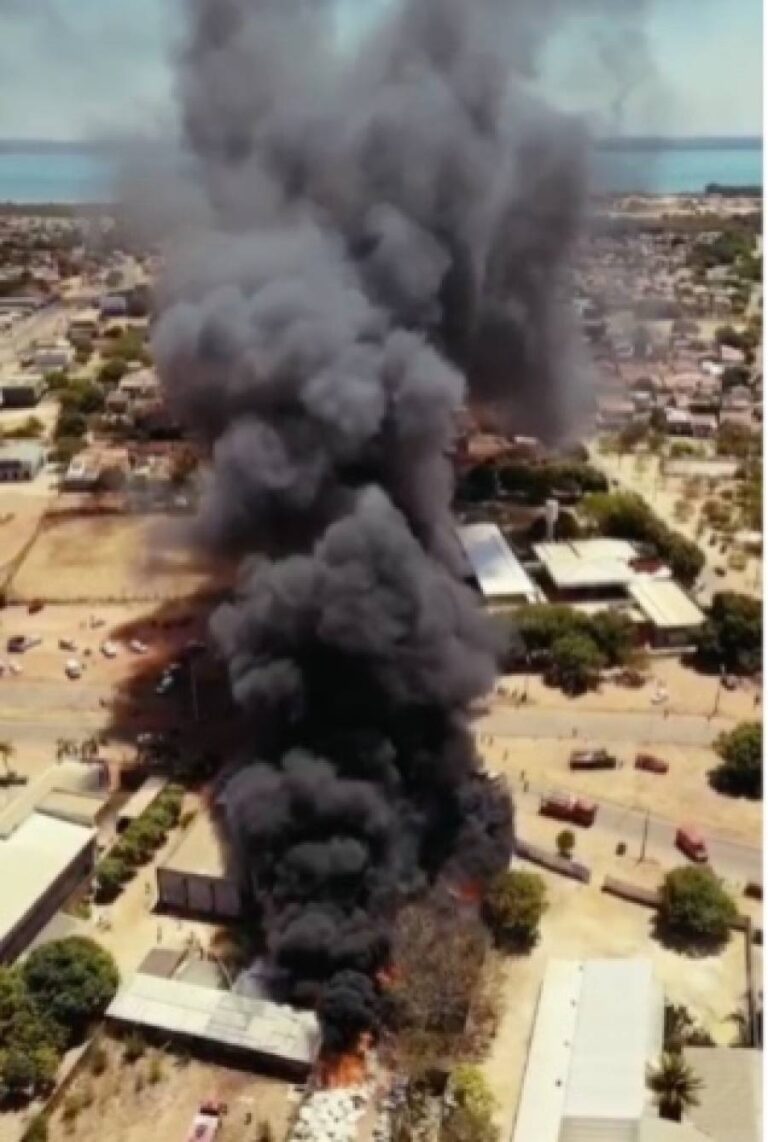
(22, 390)
(20, 460)
(50, 357)
(498, 573)
(195, 879)
(729, 1104)
(113, 305)
(225, 1025)
(83, 326)
(599, 1024)
(672, 618)
(41, 864)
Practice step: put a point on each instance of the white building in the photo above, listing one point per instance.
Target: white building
(499, 574)
(599, 1025)
(596, 564)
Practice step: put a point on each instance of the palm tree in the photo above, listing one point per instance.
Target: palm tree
(675, 1085)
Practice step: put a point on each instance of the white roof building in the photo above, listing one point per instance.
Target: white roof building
(497, 570)
(32, 860)
(598, 1025)
(665, 604)
(593, 563)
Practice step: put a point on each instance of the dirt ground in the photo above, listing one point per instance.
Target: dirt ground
(143, 1110)
(689, 692)
(105, 558)
(672, 795)
(580, 923)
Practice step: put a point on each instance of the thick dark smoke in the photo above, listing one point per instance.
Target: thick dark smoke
(386, 234)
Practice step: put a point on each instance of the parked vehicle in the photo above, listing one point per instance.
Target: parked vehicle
(207, 1121)
(67, 644)
(137, 646)
(73, 669)
(35, 606)
(651, 764)
(566, 807)
(691, 843)
(754, 889)
(592, 759)
(19, 643)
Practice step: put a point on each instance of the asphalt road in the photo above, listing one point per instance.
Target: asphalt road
(731, 859)
(42, 325)
(602, 726)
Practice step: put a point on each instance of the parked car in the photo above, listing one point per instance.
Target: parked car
(137, 646)
(19, 643)
(35, 606)
(67, 644)
(651, 764)
(109, 649)
(592, 759)
(73, 669)
(691, 843)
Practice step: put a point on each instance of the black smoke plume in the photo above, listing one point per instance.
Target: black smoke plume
(386, 235)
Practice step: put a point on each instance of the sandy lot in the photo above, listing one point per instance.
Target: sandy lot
(141, 1110)
(580, 923)
(106, 558)
(689, 693)
(545, 763)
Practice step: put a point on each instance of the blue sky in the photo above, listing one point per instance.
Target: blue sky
(74, 68)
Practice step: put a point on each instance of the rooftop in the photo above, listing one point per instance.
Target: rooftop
(200, 850)
(221, 1017)
(584, 1063)
(665, 603)
(22, 451)
(31, 859)
(497, 570)
(593, 563)
(729, 1107)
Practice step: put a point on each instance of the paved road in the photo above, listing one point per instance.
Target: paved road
(732, 859)
(41, 325)
(602, 726)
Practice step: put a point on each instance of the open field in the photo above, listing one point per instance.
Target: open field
(141, 1110)
(107, 558)
(581, 923)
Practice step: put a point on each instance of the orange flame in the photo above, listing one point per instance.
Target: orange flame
(349, 1069)
(470, 892)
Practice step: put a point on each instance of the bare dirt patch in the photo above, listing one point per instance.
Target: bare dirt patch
(158, 1095)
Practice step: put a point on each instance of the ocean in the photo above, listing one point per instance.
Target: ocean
(64, 174)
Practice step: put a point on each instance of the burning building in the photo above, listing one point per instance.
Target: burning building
(377, 237)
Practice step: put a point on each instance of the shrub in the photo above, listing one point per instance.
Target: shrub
(156, 1073)
(732, 636)
(99, 1060)
(111, 875)
(695, 908)
(470, 1106)
(566, 843)
(134, 1047)
(741, 771)
(626, 515)
(513, 906)
(37, 1131)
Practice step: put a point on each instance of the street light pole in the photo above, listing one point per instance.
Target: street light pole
(717, 692)
(646, 825)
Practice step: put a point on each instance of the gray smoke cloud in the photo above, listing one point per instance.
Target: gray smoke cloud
(385, 235)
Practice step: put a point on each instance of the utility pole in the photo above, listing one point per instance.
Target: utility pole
(717, 692)
(646, 825)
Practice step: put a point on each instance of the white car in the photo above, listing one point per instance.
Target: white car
(72, 668)
(109, 649)
(137, 646)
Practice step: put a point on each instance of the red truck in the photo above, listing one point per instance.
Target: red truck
(651, 764)
(566, 807)
(691, 842)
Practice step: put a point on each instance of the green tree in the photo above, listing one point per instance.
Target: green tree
(111, 875)
(732, 636)
(613, 634)
(575, 664)
(17, 1071)
(470, 1107)
(566, 843)
(113, 371)
(695, 908)
(513, 906)
(675, 1085)
(73, 980)
(71, 424)
(37, 1131)
(741, 772)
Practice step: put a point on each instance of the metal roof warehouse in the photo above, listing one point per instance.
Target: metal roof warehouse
(666, 604)
(593, 563)
(498, 572)
(277, 1036)
(598, 1025)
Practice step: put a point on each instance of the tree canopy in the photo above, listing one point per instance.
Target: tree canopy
(675, 1085)
(73, 980)
(732, 636)
(575, 663)
(470, 1106)
(513, 906)
(30, 1040)
(741, 771)
(626, 515)
(695, 908)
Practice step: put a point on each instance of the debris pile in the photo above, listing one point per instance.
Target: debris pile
(332, 1115)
